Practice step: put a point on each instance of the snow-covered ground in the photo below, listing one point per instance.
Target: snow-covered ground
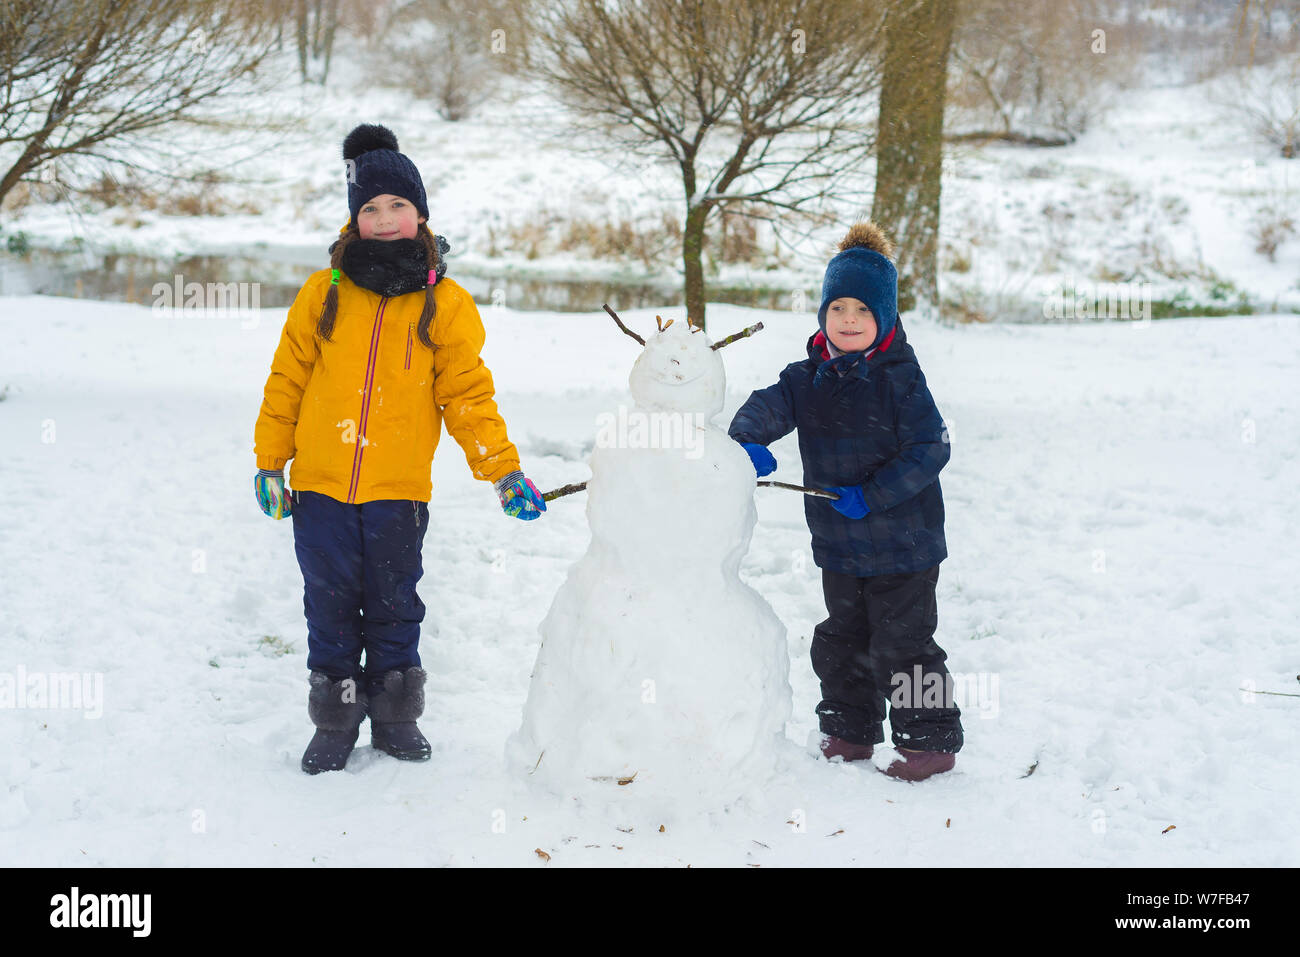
(1121, 528)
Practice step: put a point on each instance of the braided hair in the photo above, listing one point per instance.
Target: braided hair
(325, 325)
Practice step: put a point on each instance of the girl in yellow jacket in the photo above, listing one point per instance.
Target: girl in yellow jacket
(376, 353)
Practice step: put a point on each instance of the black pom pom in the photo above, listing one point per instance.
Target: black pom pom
(367, 137)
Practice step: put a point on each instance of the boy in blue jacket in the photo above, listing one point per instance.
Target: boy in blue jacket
(869, 432)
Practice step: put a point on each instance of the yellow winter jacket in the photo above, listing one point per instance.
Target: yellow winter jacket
(361, 415)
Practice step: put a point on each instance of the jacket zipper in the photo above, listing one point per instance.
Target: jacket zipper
(365, 401)
(410, 335)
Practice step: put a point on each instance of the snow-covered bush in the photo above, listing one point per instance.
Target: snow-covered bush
(1273, 224)
(1267, 97)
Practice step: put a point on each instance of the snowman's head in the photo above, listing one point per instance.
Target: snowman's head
(679, 371)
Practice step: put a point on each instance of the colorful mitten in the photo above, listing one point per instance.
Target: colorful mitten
(764, 461)
(519, 496)
(269, 486)
(851, 503)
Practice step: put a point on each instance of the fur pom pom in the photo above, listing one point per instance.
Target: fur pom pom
(367, 137)
(869, 236)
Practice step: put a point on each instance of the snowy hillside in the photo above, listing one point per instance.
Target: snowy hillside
(1121, 528)
(1162, 189)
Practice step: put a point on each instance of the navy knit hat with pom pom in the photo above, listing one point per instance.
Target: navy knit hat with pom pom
(862, 269)
(378, 168)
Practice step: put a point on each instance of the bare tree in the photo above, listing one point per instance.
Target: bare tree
(1264, 86)
(447, 51)
(85, 77)
(909, 156)
(317, 22)
(758, 104)
(1268, 97)
(1264, 29)
(1036, 71)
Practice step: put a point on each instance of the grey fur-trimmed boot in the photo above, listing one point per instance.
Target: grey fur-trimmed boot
(337, 708)
(396, 700)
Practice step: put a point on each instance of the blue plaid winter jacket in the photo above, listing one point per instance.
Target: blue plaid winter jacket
(876, 426)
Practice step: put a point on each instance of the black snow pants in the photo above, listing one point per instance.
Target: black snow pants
(877, 645)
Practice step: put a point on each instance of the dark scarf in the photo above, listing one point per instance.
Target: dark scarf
(846, 363)
(391, 267)
(843, 364)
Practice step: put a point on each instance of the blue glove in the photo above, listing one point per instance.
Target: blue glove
(851, 502)
(520, 498)
(764, 462)
(268, 484)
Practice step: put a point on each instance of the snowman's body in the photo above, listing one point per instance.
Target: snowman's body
(656, 659)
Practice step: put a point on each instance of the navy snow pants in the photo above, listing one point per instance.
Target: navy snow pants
(875, 644)
(360, 565)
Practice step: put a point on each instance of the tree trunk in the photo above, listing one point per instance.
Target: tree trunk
(909, 152)
(22, 166)
(692, 262)
(301, 13)
(331, 24)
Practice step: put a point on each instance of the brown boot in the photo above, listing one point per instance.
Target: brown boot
(919, 765)
(833, 747)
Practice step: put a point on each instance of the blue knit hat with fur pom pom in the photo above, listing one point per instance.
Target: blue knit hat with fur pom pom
(862, 270)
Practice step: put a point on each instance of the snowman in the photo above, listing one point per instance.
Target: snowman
(659, 669)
